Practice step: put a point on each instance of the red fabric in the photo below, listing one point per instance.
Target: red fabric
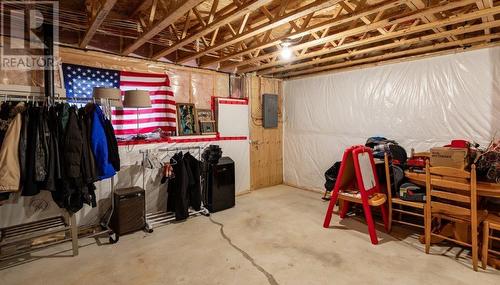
(161, 115)
(182, 140)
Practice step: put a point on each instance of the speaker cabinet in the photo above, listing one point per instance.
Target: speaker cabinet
(221, 189)
(129, 214)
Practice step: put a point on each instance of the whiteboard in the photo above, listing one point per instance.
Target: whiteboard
(366, 169)
(232, 117)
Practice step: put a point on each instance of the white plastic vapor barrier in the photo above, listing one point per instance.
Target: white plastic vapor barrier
(420, 104)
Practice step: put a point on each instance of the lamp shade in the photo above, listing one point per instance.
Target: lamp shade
(106, 93)
(111, 94)
(137, 99)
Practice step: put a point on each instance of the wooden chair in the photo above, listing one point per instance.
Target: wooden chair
(490, 224)
(451, 195)
(418, 207)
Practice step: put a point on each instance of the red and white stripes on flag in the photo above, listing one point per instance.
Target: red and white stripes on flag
(162, 114)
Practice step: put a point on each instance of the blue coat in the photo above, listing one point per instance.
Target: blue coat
(99, 145)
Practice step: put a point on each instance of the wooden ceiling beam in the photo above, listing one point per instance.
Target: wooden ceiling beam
(186, 24)
(143, 6)
(380, 58)
(211, 16)
(405, 32)
(100, 9)
(350, 8)
(419, 4)
(407, 58)
(306, 30)
(382, 23)
(482, 4)
(457, 31)
(273, 23)
(174, 14)
(218, 22)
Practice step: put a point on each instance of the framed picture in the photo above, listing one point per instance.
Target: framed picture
(204, 115)
(186, 119)
(207, 127)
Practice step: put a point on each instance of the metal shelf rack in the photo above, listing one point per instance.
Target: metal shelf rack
(160, 218)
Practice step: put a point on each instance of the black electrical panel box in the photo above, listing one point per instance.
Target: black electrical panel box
(270, 110)
(221, 188)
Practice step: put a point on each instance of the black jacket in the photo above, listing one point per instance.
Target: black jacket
(73, 146)
(177, 199)
(30, 187)
(194, 186)
(89, 171)
(113, 154)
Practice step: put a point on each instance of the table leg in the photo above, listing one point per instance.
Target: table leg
(74, 233)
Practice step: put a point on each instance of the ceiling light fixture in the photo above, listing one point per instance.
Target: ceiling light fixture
(286, 52)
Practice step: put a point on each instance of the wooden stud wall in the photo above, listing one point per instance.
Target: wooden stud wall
(266, 145)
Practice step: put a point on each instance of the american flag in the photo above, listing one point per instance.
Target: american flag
(80, 80)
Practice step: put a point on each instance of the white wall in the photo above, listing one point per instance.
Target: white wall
(420, 104)
(23, 209)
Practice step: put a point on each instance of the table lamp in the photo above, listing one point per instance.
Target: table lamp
(111, 95)
(137, 99)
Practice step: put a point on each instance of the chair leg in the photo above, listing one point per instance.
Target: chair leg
(389, 205)
(475, 249)
(484, 252)
(428, 227)
(345, 208)
(385, 218)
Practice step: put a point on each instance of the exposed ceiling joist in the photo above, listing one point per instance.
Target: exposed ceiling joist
(419, 4)
(245, 36)
(409, 57)
(367, 28)
(143, 6)
(482, 4)
(99, 11)
(385, 56)
(174, 14)
(336, 21)
(232, 16)
(457, 31)
(273, 23)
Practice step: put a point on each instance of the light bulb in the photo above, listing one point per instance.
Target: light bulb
(286, 53)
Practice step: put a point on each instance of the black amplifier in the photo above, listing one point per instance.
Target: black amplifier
(129, 214)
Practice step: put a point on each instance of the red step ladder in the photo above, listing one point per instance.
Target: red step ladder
(357, 182)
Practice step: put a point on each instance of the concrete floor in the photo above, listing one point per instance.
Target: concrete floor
(273, 236)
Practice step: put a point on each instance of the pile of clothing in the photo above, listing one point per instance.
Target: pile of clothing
(488, 163)
(62, 149)
(184, 186)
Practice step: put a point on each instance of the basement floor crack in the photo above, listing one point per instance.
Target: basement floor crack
(268, 275)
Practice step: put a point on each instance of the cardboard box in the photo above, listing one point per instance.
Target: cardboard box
(449, 157)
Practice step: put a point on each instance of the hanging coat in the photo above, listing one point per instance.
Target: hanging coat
(177, 199)
(10, 174)
(30, 187)
(23, 145)
(194, 186)
(73, 144)
(114, 155)
(42, 147)
(88, 163)
(99, 145)
(53, 166)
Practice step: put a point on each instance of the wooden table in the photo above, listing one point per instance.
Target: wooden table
(459, 230)
(484, 189)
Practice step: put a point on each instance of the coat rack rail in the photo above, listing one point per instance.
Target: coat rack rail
(160, 218)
